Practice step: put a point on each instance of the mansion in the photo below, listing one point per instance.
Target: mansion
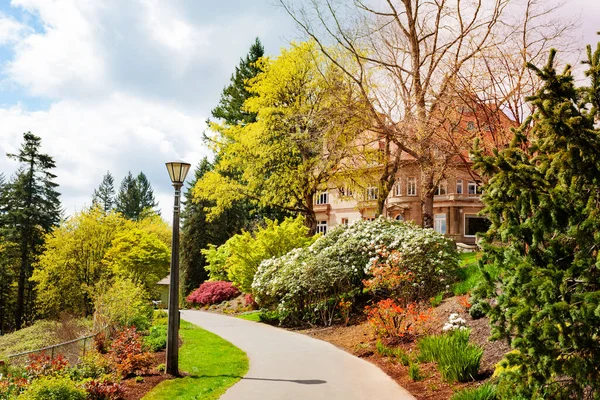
(456, 205)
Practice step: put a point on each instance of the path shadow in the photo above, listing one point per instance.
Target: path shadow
(299, 381)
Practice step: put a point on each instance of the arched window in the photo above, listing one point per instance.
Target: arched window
(399, 217)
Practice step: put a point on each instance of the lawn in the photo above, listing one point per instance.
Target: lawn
(213, 365)
(251, 316)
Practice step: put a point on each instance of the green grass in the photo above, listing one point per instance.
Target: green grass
(469, 274)
(43, 333)
(457, 360)
(213, 363)
(251, 316)
(487, 391)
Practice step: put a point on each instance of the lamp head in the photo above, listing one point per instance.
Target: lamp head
(177, 171)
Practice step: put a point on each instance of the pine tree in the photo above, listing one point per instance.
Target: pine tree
(543, 200)
(198, 232)
(230, 108)
(147, 201)
(105, 194)
(30, 209)
(128, 198)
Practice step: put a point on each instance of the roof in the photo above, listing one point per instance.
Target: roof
(165, 281)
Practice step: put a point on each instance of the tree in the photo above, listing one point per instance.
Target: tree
(147, 201)
(542, 200)
(105, 194)
(30, 210)
(297, 142)
(198, 232)
(135, 199)
(231, 105)
(140, 256)
(406, 57)
(72, 264)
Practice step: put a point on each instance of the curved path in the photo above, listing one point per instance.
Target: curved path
(287, 365)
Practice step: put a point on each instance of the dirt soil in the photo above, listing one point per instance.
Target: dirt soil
(358, 339)
(136, 390)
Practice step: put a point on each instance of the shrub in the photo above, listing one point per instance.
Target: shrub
(478, 310)
(487, 391)
(123, 303)
(103, 390)
(126, 353)
(249, 301)
(306, 285)
(11, 386)
(244, 252)
(156, 339)
(41, 364)
(216, 261)
(213, 293)
(92, 366)
(388, 319)
(53, 388)
(457, 360)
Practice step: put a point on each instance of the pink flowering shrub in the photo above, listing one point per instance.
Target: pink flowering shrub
(213, 293)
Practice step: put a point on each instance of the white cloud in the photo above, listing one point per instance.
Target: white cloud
(11, 31)
(122, 134)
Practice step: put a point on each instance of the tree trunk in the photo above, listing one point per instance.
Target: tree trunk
(310, 219)
(21, 289)
(427, 191)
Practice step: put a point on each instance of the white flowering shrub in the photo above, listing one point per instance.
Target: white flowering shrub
(306, 285)
(454, 323)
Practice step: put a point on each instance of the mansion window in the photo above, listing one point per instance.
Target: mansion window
(439, 223)
(475, 224)
(470, 126)
(322, 227)
(345, 221)
(322, 198)
(399, 217)
(459, 186)
(442, 188)
(411, 186)
(398, 188)
(372, 193)
(472, 187)
(345, 191)
(369, 219)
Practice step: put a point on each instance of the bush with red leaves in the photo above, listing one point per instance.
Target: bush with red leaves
(249, 301)
(41, 364)
(127, 355)
(213, 293)
(103, 390)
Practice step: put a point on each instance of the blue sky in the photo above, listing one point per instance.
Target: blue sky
(126, 85)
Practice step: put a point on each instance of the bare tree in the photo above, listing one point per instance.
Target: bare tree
(408, 56)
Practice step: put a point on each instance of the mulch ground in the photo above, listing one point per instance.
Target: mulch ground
(359, 340)
(134, 390)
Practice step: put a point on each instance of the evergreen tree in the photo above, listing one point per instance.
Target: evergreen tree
(30, 209)
(198, 232)
(147, 201)
(230, 108)
(128, 199)
(104, 196)
(543, 200)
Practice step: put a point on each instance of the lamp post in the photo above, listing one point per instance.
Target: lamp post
(177, 172)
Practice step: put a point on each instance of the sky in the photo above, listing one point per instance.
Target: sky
(127, 85)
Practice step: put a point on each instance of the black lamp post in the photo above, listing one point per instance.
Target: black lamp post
(177, 172)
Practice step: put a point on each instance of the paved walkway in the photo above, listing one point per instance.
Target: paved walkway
(286, 365)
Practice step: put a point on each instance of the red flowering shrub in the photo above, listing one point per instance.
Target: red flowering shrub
(388, 319)
(464, 301)
(249, 301)
(41, 364)
(213, 293)
(103, 390)
(127, 355)
(12, 386)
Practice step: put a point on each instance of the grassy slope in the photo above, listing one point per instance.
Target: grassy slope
(213, 364)
(250, 316)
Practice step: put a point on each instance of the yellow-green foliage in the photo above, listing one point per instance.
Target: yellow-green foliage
(247, 250)
(300, 136)
(91, 248)
(123, 303)
(140, 256)
(502, 366)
